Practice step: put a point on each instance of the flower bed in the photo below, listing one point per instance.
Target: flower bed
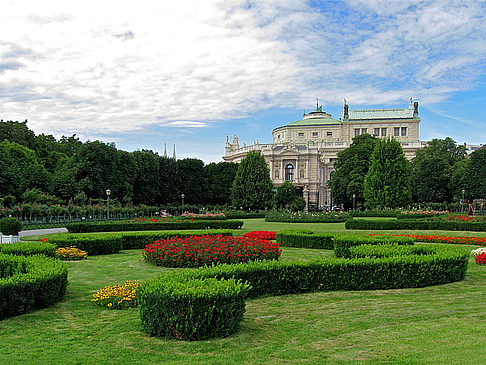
(417, 224)
(117, 296)
(207, 215)
(263, 235)
(481, 259)
(480, 241)
(198, 251)
(70, 253)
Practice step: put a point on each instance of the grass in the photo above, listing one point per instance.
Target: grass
(439, 324)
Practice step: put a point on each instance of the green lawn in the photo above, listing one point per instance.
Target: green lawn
(440, 324)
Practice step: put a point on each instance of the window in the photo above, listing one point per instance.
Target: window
(396, 131)
(289, 172)
(383, 132)
(278, 137)
(364, 130)
(404, 131)
(356, 132)
(329, 133)
(301, 134)
(376, 133)
(315, 134)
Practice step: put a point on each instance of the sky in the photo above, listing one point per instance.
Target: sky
(146, 74)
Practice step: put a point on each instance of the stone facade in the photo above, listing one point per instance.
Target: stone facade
(303, 152)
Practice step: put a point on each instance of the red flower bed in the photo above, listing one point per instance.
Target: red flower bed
(481, 258)
(263, 235)
(198, 251)
(481, 241)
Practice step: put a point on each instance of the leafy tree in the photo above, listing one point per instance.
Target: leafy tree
(192, 180)
(387, 184)
(351, 168)
(459, 179)
(432, 168)
(475, 175)
(146, 182)
(220, 180)
(252, 187)
(17, 132)
(286, 197)
(167, 176)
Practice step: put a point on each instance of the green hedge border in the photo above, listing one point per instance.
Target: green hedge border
(85, 227)
(415, 224)
(110, 243)
(28, 283)
(29, 249)
(395, 271)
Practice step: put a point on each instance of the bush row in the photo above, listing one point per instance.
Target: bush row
(415, 224)
(28, 283)
(343, 242)
(174, 304)
(29, 249)
(109, 243)
(300, 217)
(111, 226)
(375, 213)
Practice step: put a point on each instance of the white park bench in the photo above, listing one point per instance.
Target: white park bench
(8, 239)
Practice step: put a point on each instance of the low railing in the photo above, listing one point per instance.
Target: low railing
(8, 238)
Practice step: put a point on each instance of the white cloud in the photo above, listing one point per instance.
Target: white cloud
(90, 67)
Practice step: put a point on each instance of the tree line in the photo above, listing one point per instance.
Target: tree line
(43, 169)
(374, 173)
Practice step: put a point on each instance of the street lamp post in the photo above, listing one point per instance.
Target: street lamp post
(108, 192)
(182, 196)
(462, 201)
(354, 201)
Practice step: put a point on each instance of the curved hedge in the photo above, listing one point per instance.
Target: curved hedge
(29, 249)
(396, 269)
(192, 309)
(119, 226)
(28, 283)
(305, 239)
(402, 224)
(109, 243)
(299, 217)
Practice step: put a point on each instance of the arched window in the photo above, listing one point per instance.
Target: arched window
(289, 172)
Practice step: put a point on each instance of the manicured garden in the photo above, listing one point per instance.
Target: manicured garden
(432, 324)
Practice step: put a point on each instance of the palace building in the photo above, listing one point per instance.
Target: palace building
(303, 152)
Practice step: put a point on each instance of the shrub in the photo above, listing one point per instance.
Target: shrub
(239, 214)
(28, 283)
(375, 213)
(117, 296)
(411, 224)
(481, 259)
(28, 249)
(192, 309)
(343, 242)
(262, 235)
(481, 241)
(147, 225)
(70, 254)
(10, 226)
(101, 244)
(197, 251)
(299, 217)
(305, 239)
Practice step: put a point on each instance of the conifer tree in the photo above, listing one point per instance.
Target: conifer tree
(252, 187)
(387, 184)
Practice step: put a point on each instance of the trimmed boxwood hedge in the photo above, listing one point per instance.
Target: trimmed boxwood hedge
(29, 249)
(395, 269)
(299, 217)
(305, 239)
(118, 226)
(375, 213)
(426, 224)
(343, 242)
(192, 309)
(28, 283)
(109, 243)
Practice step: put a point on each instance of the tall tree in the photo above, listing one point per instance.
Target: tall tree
(432, 168)
(387, 184)
(192, 180)
(252, 187)
(17, 132)
(146, 184)
(475, 175)
(351, 168)
(220, 180)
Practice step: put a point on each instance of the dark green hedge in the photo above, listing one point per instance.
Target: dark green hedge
(29, 249)
(415, 224)
(120, 226)
(191, 309)
(305, 239)
(375, 213)
(244, 215)
(299, 217)
(109, 243)
(28, 283)
(343, 242)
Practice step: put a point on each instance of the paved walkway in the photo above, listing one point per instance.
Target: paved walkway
(33, 232)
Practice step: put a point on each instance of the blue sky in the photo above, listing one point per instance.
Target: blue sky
(190, 72)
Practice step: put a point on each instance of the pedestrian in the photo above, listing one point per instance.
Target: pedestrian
(470, 212)
(482, 208)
